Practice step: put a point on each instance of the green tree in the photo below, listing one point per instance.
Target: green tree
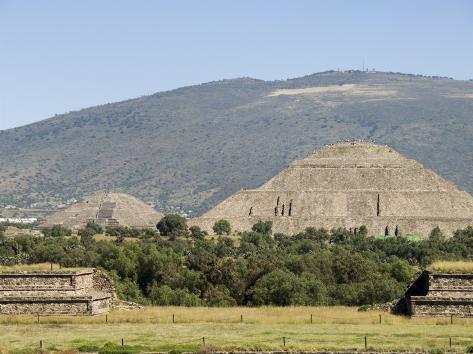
(197, 233)
(166, 296)
(57, 231)
(464, 237)
(87, 236)
(363, 231)
(94, 227)
(263, 227)
(219, 296)
(280, 288)
(402, 271)
(222, 227)
(436, 235)
(340, 235)
(316, 234)
(172, 225)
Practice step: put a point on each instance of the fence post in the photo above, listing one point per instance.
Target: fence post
(241, 318)
(41, 343)
(122, 342)
(380, 319)
(450, 341)
(173, 319)
(451, 319)
(283, 341)
(366, 343)
(38, 317)
(311, 321)
(106, 318)
(203, 341)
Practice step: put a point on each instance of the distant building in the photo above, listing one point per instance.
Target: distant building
(19, 220)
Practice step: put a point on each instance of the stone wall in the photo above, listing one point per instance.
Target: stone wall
(36, 280)
(101, 281)
(437, 294)
(80, 292)
(441, 307)
(43, 306)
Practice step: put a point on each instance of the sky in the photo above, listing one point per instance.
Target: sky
(64, 55)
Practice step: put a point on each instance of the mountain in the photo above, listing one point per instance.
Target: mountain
(194, 146)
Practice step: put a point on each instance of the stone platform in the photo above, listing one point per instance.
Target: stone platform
(440, 294)
(81, 292)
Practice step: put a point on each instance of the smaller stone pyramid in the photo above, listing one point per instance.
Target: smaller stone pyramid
(350, 184)
(106, 209)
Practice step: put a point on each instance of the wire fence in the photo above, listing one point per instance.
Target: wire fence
(175, 319)
(359, 341)
(275, 343)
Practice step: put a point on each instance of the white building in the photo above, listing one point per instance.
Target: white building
(19, 220)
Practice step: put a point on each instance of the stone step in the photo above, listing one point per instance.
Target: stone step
(441, 306)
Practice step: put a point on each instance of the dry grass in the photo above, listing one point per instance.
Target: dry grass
(332, 328)
(105, 237)
(348, 89)
(37, 268)
(452, 267)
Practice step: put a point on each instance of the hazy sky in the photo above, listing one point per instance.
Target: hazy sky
(57, 56)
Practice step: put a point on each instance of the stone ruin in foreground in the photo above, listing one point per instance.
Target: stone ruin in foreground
(439, 294)
(80, 292)
(348, 185)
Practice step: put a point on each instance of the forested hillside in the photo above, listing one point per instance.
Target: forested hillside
(194, 146)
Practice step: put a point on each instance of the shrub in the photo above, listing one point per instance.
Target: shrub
(93, 227)
(363, 308)
(222, 227)
(280, 288)
(57, 231)
(363, 231)
(219, 296)
(197, 233)
(263, 227)
(172, 225)
(166, 296)
(436, 235)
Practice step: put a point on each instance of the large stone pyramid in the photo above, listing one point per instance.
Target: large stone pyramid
(347, 185)
(106, 209)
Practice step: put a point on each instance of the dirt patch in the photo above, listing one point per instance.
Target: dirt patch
(349, 89)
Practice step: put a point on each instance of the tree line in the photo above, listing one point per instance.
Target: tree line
(185, 266)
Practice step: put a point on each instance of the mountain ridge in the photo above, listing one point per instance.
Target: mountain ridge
(191, 147)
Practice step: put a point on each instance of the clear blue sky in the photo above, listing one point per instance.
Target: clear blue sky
(57, 56)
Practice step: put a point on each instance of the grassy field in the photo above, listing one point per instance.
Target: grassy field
(152, 329)
(38, 268)
(452, 267)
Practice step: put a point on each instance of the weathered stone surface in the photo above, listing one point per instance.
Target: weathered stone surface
(85, 292)
(107, 209)
(438, 294)
(348, 185)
